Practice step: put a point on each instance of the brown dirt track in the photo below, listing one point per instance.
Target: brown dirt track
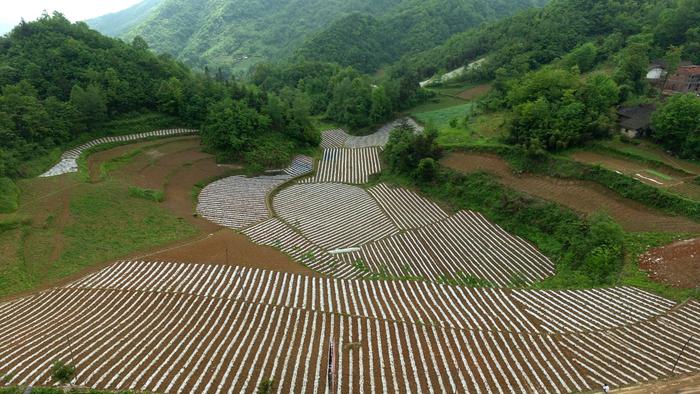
(475, 92)
(583, 197)
(677, 264)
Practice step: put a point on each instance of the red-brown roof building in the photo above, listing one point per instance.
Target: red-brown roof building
(686, 79)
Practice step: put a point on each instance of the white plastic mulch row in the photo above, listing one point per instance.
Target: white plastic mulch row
(591, 310)
(334, 138)
(333, 215)
(640, 352)
(301, 165)
(275, 233)
(432, 304)
(405, 208)
(174, 328)
(236, 202)
(347, 166)
(381, 137)
(68, 159)
(465, 246)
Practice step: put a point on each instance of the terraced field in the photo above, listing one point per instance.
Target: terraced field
(172, 328)
(69, 159)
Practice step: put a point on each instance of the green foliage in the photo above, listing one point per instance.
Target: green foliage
(61, 372)
(146, 194)
(557, 110)
(367, 42)
(677, 125)
(407, 151)
(270, 151)
(9, 196)
(266, 386)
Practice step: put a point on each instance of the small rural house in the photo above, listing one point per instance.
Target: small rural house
(635, 121)
(685, 80)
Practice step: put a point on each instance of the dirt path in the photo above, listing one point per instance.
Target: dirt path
(677, 264)
(581, 196)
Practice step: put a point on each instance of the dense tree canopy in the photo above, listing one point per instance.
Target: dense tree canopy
(677, 125)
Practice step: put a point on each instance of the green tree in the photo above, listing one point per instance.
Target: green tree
(676, 125)
(381, 105)
(90, 106)
(231, 125)
(62, 373)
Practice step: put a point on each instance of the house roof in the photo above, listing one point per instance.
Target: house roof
(689, 70)
(637, 117)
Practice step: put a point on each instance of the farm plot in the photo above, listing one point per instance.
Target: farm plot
(464, 247)
(347, 166)
(157, 338)
(406, 209)
(237, 201)
(69, 159)
(591, 310)
(333, 215)
(334, 138)
(275, 233)
(641, 352)
(381, 137)
(431, 304)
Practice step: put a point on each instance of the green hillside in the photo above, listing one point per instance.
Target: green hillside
(235, 34)
(118, 23)
(366, 42)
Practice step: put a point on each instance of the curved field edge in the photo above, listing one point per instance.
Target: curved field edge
(531, 221)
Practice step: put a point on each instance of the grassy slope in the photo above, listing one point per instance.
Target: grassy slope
(66, 225)
(9, 195)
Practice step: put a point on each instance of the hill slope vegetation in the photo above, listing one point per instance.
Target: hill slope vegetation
(240, 33)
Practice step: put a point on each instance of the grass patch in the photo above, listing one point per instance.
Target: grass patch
(146, 194)
(104, 224)
(437, 103)
(9, 196)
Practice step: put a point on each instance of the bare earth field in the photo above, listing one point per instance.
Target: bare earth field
(475, 92)
(584, 197)
(677, 264)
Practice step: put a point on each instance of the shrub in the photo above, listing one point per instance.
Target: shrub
(266, 386)
(61, 372)
(427, 169)
(146, 194)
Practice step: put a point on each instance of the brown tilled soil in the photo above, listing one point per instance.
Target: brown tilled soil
(680, 183)
(685, 385)
(583, 197)
(677, 264)
(475, 92)
(227, 247)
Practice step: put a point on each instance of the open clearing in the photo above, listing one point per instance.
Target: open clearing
(174, 328)
(584, 197)
(677, 264)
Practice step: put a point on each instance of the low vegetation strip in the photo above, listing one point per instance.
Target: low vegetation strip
(405, 208)
(352, 166)
(236, 202)
(216, 328)
(69, 159)
(591, 310)
(333, 215)
(464, 248)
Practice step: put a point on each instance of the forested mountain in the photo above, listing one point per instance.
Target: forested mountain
(366, 42)
(118, 23)
(239, 33)
(536, 37)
